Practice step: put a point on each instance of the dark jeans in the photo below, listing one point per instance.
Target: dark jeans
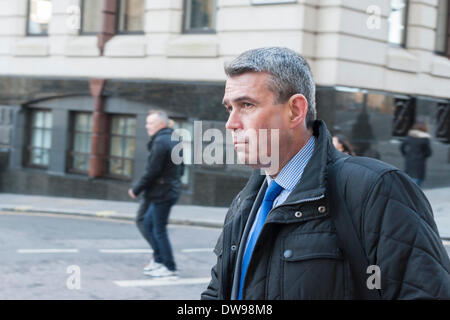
(151, 220)
(143, 207)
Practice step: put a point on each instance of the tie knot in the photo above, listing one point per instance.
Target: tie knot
(272, 191)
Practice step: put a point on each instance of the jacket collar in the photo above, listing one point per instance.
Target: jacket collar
(313, 182)
(162, 132)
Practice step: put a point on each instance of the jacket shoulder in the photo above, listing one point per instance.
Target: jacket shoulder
(358, 177)
(162, 141)
(370, 165)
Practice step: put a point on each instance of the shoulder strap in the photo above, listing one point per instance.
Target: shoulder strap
(347, 236)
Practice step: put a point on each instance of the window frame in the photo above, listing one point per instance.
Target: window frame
(71, 152)
(446, 52)
(108, 156)
(403, 43)
(188, 168)
(81, 30)
(185, 30)
(27, 20)
(29, 133)
(119, 32)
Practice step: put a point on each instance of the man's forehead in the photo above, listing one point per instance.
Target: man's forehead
(244, 84)
(247, 78)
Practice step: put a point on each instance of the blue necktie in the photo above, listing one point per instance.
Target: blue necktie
(271, 193)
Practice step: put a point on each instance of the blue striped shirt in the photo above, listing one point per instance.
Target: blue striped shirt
(292, 172)
(290, 175)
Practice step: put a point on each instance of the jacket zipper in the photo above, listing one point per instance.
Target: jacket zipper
(281, 205)
(288, 204)
(301, 201)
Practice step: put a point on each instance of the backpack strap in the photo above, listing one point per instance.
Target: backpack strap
(348, 239)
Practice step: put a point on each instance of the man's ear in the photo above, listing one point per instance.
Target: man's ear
(298, 107)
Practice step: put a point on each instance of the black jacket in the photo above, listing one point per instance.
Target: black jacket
(161, 180)
(297, 255)
(416, 149)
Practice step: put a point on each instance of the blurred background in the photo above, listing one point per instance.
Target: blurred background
(77, 78)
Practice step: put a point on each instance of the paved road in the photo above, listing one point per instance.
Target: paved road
(48, 256)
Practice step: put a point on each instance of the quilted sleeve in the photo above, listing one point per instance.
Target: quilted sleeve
(400, 237)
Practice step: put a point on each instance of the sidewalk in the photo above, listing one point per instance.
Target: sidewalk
(181, 214)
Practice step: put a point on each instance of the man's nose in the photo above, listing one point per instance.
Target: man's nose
(234, 121)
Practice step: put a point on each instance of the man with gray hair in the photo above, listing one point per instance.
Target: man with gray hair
(161, 188)
(321, 225)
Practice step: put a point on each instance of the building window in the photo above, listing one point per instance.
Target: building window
(131, 16)
(38, 17)
(185, 135)
(91, 16)
(40, 140)
(397, 22)
(81, 142)
(442, 29)
(122, 146)
(199, 16)
(272, 1)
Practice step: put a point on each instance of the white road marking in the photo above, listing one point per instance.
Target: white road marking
(175, 281)
(22, 208)
(125, 250)
(47, 251)
(105, 214)
(198, 250)
(192, 250)
(446, 242)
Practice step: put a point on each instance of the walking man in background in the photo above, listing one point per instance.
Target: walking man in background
(324, 225)
(416, 149)
(161, 188)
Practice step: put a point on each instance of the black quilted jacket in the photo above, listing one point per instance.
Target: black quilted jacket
(161, 180)
(297, 255)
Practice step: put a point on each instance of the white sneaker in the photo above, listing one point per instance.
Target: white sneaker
(153, 265)
(162, 272)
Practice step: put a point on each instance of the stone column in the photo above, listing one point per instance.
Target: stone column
(99, 139)
(109, 19)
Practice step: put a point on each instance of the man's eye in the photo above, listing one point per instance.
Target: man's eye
(247, 105)
(228, 109)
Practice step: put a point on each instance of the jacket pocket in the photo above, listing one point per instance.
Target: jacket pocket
(313, 267)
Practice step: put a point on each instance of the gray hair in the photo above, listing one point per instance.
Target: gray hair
(161, 114)
(289, 74)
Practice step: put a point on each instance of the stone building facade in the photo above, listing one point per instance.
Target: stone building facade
(77, 78)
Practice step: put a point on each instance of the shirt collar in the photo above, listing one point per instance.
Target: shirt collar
(292, 172)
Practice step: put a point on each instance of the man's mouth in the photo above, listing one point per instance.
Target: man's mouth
(240, 140)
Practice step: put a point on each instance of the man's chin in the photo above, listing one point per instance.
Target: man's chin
(271, 168)
(245, 159)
